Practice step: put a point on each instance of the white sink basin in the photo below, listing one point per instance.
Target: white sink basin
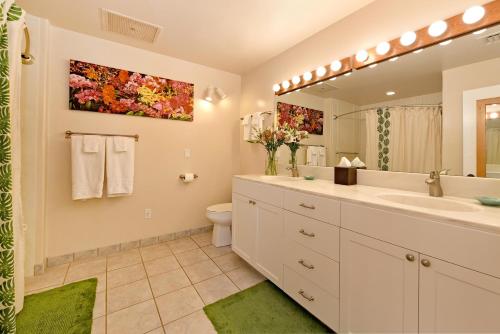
(279, 178)
(433, 203)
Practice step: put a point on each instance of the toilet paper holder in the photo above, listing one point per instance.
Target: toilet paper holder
(183, 177)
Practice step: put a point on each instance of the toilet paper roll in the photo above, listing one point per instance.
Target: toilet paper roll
(188, 177)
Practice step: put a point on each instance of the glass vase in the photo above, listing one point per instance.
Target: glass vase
(293, 163)
(271, 168)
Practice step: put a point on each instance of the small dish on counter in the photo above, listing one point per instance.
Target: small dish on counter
(309, 177)
(489, 201)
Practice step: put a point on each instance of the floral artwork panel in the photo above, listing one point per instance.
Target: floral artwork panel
(109, 90)
(301, 118)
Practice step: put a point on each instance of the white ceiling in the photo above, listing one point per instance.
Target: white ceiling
(233, 35)
(411, 75)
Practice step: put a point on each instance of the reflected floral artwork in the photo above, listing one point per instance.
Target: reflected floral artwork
(109, 90)
(300, 118)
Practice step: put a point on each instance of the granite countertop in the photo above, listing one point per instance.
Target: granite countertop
(482, 218)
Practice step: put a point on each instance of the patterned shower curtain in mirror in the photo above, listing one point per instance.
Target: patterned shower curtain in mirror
(404, 139)
(11, 232)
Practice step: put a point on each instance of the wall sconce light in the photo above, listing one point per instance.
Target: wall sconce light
(212, 91)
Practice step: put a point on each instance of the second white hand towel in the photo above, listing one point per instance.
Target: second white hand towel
(87, 167)
(120, 155)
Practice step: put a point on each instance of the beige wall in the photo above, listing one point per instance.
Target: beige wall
(455, 82)
(212, 137)
(381, 20)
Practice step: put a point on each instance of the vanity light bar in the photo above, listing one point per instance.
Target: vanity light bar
(335, 69)
(474, 19)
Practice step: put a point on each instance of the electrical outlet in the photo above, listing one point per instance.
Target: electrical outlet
(148, 213)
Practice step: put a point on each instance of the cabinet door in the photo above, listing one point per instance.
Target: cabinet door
(269, 241)
(456, 299)
(378, 286)
(244, 227)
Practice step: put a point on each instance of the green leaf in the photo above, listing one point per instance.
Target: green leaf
(14, 13)
(4, 92)
(5, 154)
(7, 293)
(5, 206)
(8, 320)
(5, 178)
(3, 37)
(4, 120)
(7, 264)
(6, 235)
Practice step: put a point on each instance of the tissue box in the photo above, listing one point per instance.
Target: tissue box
(346, 175)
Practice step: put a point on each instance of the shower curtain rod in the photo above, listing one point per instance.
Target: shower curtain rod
(395, 106)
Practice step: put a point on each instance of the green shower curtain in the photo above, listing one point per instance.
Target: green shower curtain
(9, 11)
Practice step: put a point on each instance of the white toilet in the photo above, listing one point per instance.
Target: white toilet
(221, 216)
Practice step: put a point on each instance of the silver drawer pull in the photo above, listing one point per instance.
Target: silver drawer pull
(312, 207)
(308, 266)
(303, 294)
(312, 235)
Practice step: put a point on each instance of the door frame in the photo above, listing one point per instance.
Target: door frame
(481, 134)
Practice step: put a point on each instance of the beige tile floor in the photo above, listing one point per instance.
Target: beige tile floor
(156, 289)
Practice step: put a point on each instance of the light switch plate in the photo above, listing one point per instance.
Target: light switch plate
(187, 153)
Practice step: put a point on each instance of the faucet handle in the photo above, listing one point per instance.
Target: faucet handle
(444, 171)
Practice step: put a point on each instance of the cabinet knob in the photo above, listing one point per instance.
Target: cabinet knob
(303, 263)
(410, 257)
(426, 263)
(303, 294)
(312, 207)
(307, 234)
(251, 202)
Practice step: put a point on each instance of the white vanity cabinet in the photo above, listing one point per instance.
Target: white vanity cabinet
(379, 286)
(257, 233)
(361, 268)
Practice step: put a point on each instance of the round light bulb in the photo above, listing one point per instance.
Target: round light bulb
(336, 65)
(285, 84)
(295, 79)
(446, 42)
(383, 48)
(493, 115)
(473, 14)
(408, 38)
(390, 93)
(437, 28)
(276, 87)
(361, 56)
(320, 71)
(307, 76)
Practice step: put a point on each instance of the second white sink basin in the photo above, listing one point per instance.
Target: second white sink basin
(434, 203)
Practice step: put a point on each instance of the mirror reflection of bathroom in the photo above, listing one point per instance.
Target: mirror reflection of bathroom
(488, 139)
(398, 115)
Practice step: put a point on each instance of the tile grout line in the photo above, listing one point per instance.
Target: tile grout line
(237, 287)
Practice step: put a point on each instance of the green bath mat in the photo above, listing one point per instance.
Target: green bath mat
(64, 310)
(263, 308)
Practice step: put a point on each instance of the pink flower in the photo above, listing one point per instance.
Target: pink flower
(77, 81)
(88, 95)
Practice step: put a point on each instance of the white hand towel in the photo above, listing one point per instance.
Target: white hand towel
(356, 162)
(120, 167)
(91, 143)
(257, 125)
(321, 156)
(344, 162)
(87, 169)
(247, 127)
(120, 143)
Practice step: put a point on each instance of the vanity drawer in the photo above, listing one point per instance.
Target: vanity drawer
(317, 207)
(318, 236)
(313, 266)
(316, 300)
(263, 192)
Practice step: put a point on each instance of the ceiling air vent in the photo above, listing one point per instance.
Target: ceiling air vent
(128, 26)
(495, 38)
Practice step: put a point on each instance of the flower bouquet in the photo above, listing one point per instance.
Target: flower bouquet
(271, 139)
(293, 136)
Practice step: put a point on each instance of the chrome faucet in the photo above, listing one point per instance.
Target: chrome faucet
(434, 182)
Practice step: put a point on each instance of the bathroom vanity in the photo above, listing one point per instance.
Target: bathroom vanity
(367, 259)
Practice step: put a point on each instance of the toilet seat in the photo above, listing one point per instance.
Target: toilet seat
(224, 207)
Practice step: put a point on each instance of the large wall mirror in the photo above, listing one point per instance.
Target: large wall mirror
(404, 114)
